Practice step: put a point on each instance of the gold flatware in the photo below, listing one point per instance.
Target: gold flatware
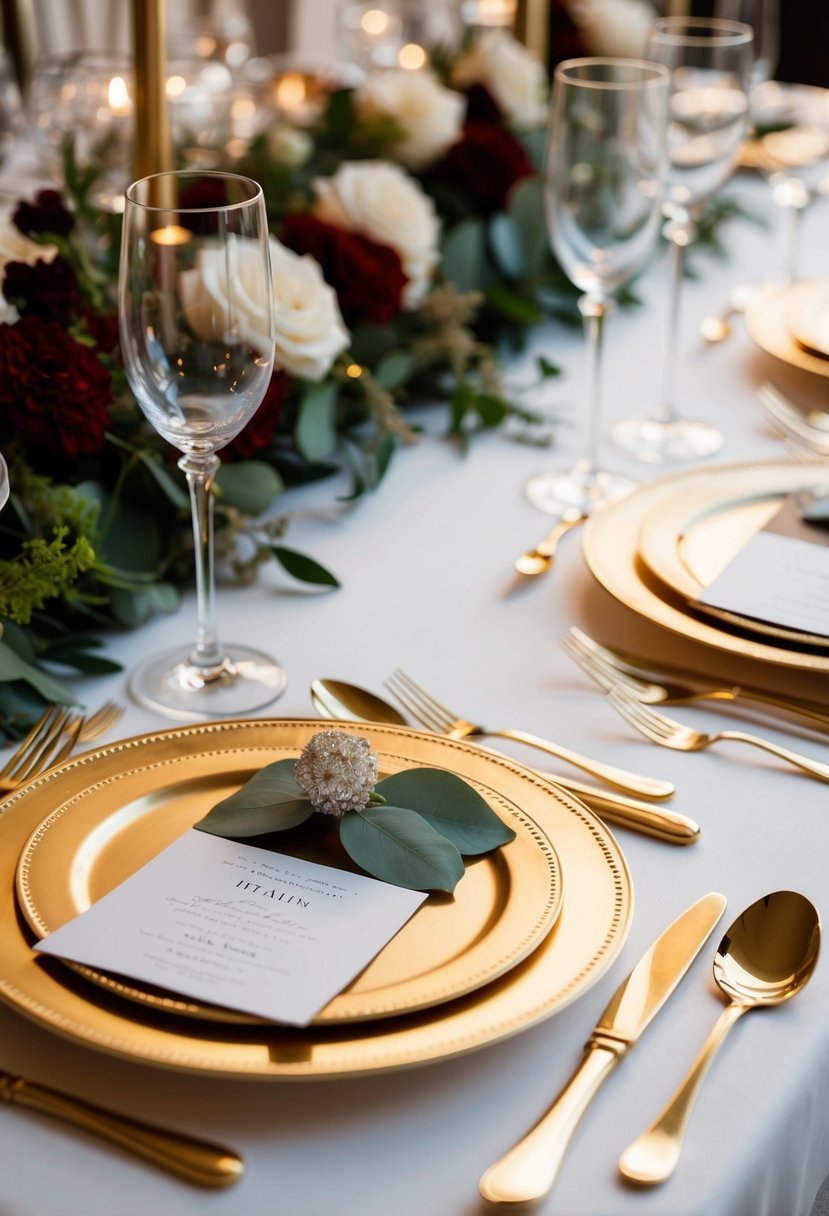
(667, 732)
(526, 1173)
(808, 428)
(609, 668)
(348, 702)
(101, 721)
(717, 328)
(435, 716)
(765, 958)
(540, 559)
(194, 1160)
(40, 747)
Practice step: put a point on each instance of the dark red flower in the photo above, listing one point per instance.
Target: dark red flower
(565, 39)
(367, 277)
(481, 106)
(486, 162)
(258, 433)
(46, 214)
(103, 329)
(206, 193)
(48, 290)
(53, 390)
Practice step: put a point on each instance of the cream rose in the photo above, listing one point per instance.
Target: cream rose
(384, 203)
(429, 115)
(614, 27)
(15, 247)
(514, 77)
(205, 299)
(310, 333)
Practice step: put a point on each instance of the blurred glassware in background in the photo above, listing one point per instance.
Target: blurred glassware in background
(224, 34)
(12, 120)
(394, 33)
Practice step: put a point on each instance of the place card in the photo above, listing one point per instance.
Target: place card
(781, 576)
(238, 926)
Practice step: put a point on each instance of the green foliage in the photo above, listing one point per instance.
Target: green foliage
(41, 571)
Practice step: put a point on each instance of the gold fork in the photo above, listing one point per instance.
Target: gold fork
(41, 746)
(101, 721)
(609, 668)
(435, 716)
(667, 732)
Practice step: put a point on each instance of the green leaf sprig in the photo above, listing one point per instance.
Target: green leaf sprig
(414, 831)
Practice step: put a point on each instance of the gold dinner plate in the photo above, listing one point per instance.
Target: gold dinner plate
(611, 549)
(768, 321)
(808, 316)
(505, 904)
(692, 535)
(586, 938)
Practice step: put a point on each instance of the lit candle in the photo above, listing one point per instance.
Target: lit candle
(152, 152)
(495, 12)
(118, 98)
(532, 26)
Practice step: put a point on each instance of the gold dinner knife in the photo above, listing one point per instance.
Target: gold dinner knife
(526, 1173)
(194, 1160)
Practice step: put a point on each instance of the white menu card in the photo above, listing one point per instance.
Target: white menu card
(238, 926)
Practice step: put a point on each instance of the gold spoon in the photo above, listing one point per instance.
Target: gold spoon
(717, 328)
(765, 958)
(539, 559)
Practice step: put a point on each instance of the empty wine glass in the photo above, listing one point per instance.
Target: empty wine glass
(710, 63)
(196, 309)
(603, 184)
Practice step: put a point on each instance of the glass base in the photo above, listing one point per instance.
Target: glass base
(173, 686)
(579, 487)
(659, 442)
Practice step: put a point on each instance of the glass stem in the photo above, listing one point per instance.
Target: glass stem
(200, 470)
(681, 232)
(791, 244)
(593, 308)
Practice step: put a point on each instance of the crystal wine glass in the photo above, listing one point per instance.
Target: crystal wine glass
(710, 62)
(196, 309)
(603, 182)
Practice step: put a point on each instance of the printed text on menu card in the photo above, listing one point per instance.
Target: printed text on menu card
(238, 926)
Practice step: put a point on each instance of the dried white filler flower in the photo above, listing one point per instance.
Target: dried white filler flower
(338, 771)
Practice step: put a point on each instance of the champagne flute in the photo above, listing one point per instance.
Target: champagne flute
(196, 311)
(710, 62)
(603, 185)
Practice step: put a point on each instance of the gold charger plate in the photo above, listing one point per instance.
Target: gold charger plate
(695, 532)
(588, 935)
(768, 323)
(504, 906)
(610, 544)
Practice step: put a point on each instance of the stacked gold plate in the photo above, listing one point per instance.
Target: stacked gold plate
(530, 928)
(792, 323)
(657, 549)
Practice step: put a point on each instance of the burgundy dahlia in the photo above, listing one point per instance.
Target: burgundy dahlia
(486, 162)
(259, 431)
(53, 390)
(48, 290)
(46, 214)
(367, 277)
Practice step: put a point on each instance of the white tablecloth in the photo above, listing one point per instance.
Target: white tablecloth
(426, 570)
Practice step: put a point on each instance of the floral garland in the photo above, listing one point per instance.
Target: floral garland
(408, 241)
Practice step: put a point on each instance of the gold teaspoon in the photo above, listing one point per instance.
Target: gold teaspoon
(539, 559)
(765, 958)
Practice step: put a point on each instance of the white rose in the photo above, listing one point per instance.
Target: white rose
(310, 333)
(514, 77)
(288, 145)
(430, 115)
(15, 247)
(614, 27)
(205, 298)
(384, 203)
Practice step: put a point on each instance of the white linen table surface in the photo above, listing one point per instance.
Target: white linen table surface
(426, 568)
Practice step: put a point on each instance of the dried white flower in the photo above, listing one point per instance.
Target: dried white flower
(338, 771)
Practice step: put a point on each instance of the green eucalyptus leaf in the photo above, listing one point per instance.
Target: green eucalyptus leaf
(397, 845)
(304, 568)
(315, 433)
(450, 805)
(394, 370)
(464, 258)
(251, 485)
(270, 802)
(165, 480)
(13, 667)
(506, 246)
(526, 208)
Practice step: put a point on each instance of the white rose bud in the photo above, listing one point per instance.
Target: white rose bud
(514, 77)
(310, 333)
(384, 203)
(289, 145)
(15, 247)
(430, 115)
(614, 27)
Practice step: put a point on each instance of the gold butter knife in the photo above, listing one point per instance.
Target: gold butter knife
(526, 1173)
(194, 1160)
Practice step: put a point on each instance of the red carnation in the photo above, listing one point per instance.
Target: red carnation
(258, 433)
(367, 277)
(47, 289)
(46, 214)
(52, 389)
(486, 162)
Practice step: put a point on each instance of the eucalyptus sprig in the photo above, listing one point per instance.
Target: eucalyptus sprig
(412, 829)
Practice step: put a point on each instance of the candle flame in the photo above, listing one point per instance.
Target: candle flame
(411, 57)
(118, 98)
(375, 21)
(291, 91)
(172, 234)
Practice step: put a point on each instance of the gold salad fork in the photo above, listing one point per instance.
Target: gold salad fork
(51, 740)
(435, 716)
(609, 668)
(667, 732)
